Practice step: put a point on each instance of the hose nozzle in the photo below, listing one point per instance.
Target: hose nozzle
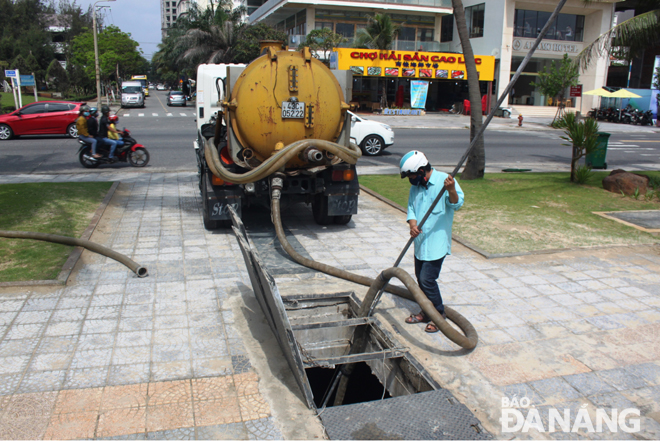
(312, 155)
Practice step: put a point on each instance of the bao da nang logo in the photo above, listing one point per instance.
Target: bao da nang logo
(519, 416)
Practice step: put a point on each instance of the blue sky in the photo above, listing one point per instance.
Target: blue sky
(140, 18)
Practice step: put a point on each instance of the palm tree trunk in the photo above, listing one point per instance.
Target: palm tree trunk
(476, 162)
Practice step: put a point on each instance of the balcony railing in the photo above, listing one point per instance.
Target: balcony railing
(425, 46)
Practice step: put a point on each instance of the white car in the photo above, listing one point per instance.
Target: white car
(160, 87)
(372, 137)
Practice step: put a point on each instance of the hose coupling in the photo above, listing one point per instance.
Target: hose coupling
(313, 155)
(276, 185)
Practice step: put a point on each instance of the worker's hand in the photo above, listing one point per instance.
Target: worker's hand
(449, 183)
(415, 231)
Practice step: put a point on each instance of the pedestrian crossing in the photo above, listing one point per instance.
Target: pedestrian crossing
(156, 114)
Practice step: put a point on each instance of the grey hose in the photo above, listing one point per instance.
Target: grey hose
(468, 341)
(276, 162)
(140, 271)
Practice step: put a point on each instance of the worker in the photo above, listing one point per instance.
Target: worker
(83, 132)
(433, 240)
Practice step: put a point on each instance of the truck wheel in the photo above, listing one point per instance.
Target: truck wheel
(209, 224)
(320, 210)
(342, 220)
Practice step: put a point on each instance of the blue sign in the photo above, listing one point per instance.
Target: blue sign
(10, 73)
(418, 92)
(27, 80)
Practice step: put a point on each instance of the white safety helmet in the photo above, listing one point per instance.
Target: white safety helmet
(412, 162)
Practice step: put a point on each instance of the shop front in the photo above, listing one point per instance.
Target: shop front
(398, 74)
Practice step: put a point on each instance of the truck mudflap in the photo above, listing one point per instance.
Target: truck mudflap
(342, 204)
(218, 200)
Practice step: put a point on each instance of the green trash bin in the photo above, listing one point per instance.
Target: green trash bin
(596, 159)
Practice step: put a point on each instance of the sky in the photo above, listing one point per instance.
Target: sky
(140, 18)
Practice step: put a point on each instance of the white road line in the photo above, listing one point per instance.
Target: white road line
(627, 148)
(154, 114)
(140, 114)
(169, 114)
(183, 114)
(648, 154)
(127, 114)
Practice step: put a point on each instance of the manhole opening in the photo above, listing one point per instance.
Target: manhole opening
(329, 335)
(362, 386)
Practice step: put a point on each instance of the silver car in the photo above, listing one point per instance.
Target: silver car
(131, 94)
(176, 98)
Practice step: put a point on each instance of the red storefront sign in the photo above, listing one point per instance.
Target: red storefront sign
(576, 91)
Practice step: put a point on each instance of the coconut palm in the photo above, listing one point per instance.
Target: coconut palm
(379, 34)
(213, 45)
(476, 162)
(628, 39)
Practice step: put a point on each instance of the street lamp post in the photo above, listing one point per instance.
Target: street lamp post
(96, 54)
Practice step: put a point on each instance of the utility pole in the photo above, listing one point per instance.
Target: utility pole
(96, 54)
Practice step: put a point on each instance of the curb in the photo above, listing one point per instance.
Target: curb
(71, 262)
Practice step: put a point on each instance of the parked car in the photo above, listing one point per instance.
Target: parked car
(41, 118)
(504, 112)
(160, 87)
(176, 98)
(372, 136)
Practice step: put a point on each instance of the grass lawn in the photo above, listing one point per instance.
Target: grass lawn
(520, 212)
(7, 99)
(63, 208)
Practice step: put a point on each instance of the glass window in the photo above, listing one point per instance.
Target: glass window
(58, 107)
(474, 15)
(406, 34)
(447, 29)
(346, 29)
(33, 109)
(323, 25)
(567, 27)
(424, 34)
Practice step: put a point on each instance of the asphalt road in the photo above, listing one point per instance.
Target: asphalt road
(168, 134)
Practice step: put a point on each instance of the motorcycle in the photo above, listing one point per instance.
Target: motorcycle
(646, 118)
(131, 152)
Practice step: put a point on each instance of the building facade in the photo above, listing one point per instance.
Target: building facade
(503, 29)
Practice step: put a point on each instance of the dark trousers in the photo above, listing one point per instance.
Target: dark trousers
(427, 273)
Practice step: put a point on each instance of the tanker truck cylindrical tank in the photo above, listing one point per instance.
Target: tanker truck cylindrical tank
(283, 97)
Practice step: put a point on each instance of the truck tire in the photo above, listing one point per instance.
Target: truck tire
(343, 220)
(209, 224)
(320, 210)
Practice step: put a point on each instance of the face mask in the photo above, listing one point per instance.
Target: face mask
(418, 180)
(85, 113)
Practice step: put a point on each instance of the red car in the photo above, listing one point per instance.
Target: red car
(42, 118)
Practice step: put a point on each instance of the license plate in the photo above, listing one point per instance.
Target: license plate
(293, 110)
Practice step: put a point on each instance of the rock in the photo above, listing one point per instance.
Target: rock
(621, 181)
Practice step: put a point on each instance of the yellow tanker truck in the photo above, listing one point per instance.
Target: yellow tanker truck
(279, 122)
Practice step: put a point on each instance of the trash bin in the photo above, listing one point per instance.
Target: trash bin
(596, 159)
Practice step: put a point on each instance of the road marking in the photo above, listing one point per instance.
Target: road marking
(183, 114)
(648, 154)
(169, 114)
(154, 114)
(637, 140)
(627, 148)
(140, 114)
(127, 114)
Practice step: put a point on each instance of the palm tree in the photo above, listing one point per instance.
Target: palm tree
(628, 39)
(213, 45)
(476, 162)
(379, 34)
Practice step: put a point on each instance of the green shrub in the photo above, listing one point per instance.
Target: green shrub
(582, 174)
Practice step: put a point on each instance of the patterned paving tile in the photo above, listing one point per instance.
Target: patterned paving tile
(588, 383)
(122, 421)
(555, 390)
(170, 416)
(79, 425)
(230, 431)
(263, 428)
(129, 374)
(87, 377)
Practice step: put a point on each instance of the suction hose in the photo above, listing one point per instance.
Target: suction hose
(413, 292)
(277, 161)
(140, 271)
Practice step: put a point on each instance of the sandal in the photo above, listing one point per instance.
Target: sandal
(431, 328)
(417, 318)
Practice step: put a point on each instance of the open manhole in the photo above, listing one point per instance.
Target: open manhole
(384, 392)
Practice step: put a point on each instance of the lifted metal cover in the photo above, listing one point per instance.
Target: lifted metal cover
(426, 415)
(268, 296)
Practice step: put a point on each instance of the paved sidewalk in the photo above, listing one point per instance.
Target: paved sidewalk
(186, 354)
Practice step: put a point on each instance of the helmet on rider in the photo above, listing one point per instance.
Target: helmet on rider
(84, 108)
(93, 111)
(105, 109)
(412, 162)
(113, 118)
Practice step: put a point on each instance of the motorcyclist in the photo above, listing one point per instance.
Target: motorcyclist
(83, 131)
(104, 128)
(113, 133)
(93, 128)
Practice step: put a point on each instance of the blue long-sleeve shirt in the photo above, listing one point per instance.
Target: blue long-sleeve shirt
(434, 242)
